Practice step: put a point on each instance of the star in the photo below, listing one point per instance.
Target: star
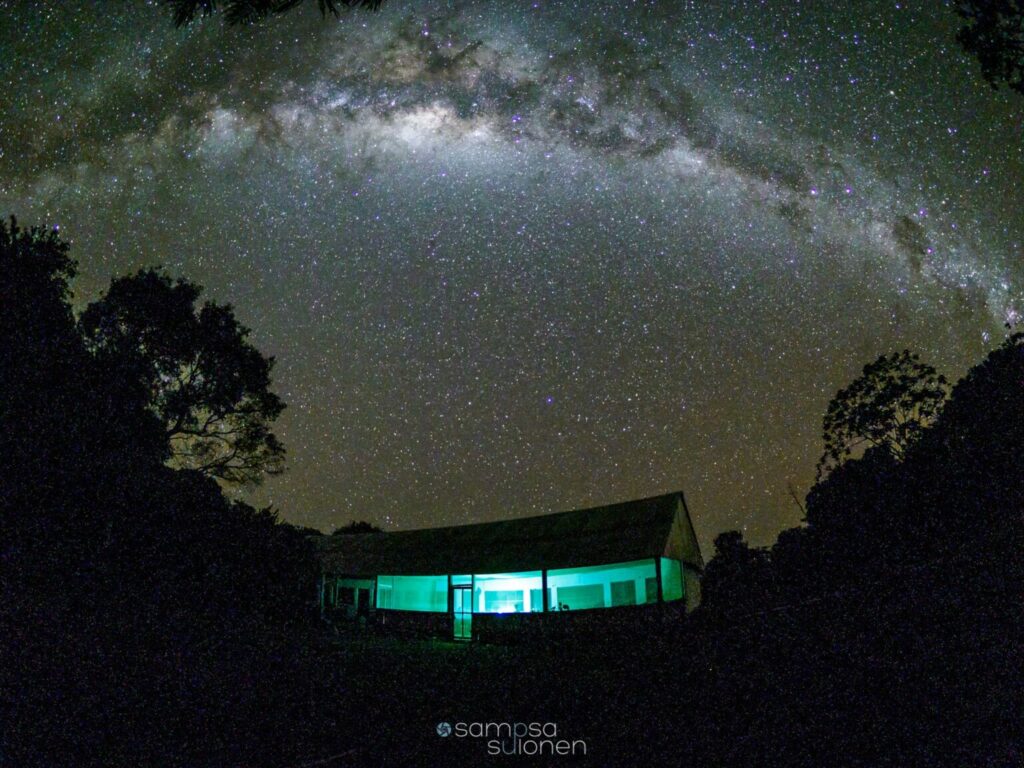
(694, 227)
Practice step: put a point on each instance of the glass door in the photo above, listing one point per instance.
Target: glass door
(462, 608)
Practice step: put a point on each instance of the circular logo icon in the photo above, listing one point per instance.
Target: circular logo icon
(444, 729)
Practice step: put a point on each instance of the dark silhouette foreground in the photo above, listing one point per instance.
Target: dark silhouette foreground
(207, 384)
(993, 32)
(185, 12)
(147, 620)
(144, 619)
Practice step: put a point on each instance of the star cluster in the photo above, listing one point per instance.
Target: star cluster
(515, 257)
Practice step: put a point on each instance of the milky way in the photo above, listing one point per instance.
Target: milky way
(514, 257)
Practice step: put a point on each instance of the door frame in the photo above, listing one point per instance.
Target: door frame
(465, 592)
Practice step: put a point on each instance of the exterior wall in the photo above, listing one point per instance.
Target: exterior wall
(682, 545)
(413, 623)
(691, 585)
(632, 621)
(511, 628)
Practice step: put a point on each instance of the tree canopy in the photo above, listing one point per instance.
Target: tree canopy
(994, 35)
(185, 12)
(356, 527)
(145, 619)
(887, 406)
(207, 384)
(124, 621)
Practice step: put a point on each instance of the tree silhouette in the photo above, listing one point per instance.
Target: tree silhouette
(208, 385)
(844, 631)
(248, 11)
(145, 619)
(994, 35)
(137, 604)
(887, 406)
(356, 527)
(737, 580)
(34, 294)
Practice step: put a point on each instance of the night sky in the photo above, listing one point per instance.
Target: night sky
(519, 257)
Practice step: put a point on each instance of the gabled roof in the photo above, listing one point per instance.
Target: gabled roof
(633, 530)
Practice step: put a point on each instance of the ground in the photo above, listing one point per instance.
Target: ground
(598, 691)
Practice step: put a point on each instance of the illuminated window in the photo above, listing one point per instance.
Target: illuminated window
(623, 593)
(569, 589)
(651, 588)
(537, 599)
(508, 592)
(577, 597)
(413, 593)
(504, 601)
(602, 586)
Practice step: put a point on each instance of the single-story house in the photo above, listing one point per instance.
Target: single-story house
(487, 579)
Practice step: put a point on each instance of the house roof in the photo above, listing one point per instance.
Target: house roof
(633, 530)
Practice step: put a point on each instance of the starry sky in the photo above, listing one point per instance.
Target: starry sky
(519, 257)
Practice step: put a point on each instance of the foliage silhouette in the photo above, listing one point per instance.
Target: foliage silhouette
(887, 406)
(994, 34)
(888, 630)
(737, 581)
(126, 629)
(209, 386)
(356, 527)
(147, 620)
(185, 12)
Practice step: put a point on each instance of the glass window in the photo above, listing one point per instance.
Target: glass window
(576, 597)
(508, 592)
(537, 599)
(350, 592)
(504, 601)
(623, 593)
(651, 586)
(671, 579)
(413, 593)
(602, 586)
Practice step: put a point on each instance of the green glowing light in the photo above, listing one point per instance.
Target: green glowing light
(603, 586)
(569, 589)
(671, 579)
(413, 593)
(508, 592)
